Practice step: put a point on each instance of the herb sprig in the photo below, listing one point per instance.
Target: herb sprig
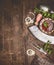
(47, 47)
(45, 24)
(44, 13)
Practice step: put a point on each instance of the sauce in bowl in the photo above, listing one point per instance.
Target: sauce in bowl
(46, 25)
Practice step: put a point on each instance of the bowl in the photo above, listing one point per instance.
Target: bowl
(46, 25)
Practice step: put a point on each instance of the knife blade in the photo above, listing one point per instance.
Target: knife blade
(39, 48)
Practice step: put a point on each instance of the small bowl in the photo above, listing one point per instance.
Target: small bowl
(50, 28)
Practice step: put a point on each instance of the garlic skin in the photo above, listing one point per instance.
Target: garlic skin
(51, 11)
(44, 8)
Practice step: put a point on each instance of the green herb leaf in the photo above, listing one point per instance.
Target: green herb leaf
(36, 10)
(44, 13)
(45, 24)
(47, 47)
(48, 15)
(52, 16)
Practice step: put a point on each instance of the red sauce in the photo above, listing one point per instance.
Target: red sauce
(44, 28)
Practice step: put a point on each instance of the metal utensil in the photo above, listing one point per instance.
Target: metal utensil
(39, 48)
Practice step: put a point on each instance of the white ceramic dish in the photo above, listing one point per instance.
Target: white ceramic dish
(40, 35)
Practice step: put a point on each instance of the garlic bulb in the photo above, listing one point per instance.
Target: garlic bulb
(44, 8)
(30, 52)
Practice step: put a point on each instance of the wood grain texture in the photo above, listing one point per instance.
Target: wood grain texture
(15, 38)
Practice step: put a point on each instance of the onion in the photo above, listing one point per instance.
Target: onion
(50, 26)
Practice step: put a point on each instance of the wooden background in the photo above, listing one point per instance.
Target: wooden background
(15, 38)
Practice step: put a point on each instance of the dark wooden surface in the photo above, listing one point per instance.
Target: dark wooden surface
(15, 38)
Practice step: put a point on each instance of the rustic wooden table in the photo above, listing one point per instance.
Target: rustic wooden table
(15, 38)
